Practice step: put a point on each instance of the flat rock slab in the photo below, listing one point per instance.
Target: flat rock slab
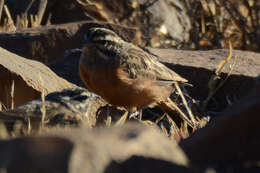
(48, 43)
(30, 78)
(198, 66)
(99, 150)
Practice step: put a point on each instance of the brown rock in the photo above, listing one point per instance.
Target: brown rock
(48, 43)
(82, 150)
(30, 79)
(233, 136)
(198, 66)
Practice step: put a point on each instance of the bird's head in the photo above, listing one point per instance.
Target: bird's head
(101, 36)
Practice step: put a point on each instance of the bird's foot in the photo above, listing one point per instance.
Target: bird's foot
(136, 115)
(133, 115)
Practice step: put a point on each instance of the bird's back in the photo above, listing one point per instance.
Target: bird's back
(139, 63)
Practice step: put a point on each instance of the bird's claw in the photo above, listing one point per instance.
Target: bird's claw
(133, 115)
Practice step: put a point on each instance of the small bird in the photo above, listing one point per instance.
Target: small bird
(122, 73)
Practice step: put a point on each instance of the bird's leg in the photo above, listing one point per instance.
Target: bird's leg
(136, 113)
(133, 114)
(140, 114)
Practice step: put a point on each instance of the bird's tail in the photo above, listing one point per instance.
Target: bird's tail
(174, 112)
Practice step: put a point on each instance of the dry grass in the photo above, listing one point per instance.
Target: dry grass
(22, 21)
(216, 22)
(3, 131)
(214, 85)
(43, 107)
(123, 119)
(211, 23)
(12, 95)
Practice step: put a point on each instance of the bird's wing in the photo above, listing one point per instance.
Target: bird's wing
(138, 63)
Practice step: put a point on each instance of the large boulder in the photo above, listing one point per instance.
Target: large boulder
(98, 150)
(22, 80)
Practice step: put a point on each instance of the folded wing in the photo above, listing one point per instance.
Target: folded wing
(138, 63)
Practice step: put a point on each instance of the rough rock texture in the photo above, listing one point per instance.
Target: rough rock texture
(30, 79)
(99, 150)
(232, 136)
(48, 43)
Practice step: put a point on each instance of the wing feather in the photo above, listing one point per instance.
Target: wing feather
(138, 63)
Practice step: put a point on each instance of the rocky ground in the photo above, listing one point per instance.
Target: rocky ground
(49, 121)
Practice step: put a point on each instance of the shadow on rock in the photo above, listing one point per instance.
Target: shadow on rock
(140, 164)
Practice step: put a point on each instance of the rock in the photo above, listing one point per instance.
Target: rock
(47, 154)
(141, 164)
(48, 43)
(83, 150)
(173, 15)
(198, 66)
(30, 78)
(232, 136)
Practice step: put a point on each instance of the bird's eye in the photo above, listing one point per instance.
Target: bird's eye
(86, 39)
(85, 36)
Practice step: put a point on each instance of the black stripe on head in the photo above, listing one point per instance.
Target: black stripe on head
(95, 35)
(106, 52)
(102, 32)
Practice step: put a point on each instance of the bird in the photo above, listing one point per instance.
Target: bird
(65, 107)
(122, 73)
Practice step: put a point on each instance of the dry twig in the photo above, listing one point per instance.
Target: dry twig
(185, 103)
(41, 11)
(12, 95)
(213, 82)
(2, 2)
(9, 23)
